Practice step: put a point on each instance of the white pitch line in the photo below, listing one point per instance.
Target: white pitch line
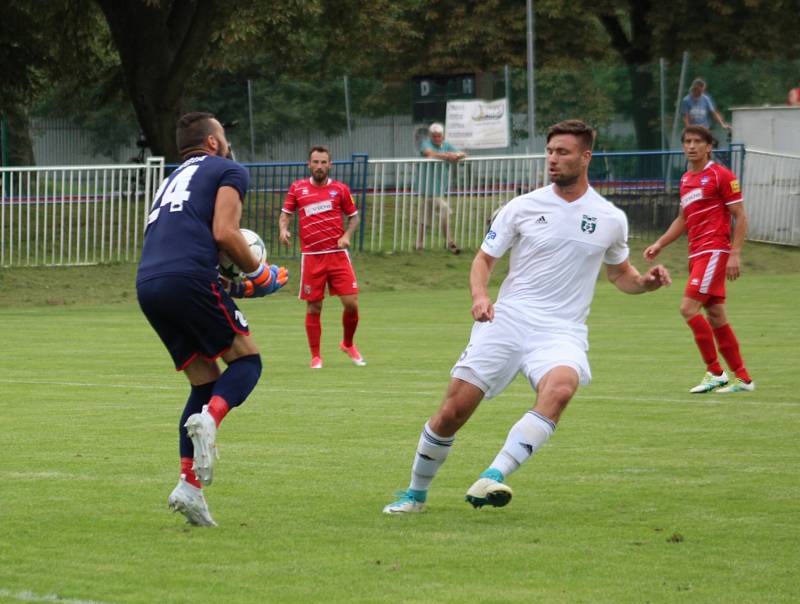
(88, 384)
(29, 596)
(182, 387)
(700, 399)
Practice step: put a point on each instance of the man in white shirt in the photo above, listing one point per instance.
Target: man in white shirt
(559, 236)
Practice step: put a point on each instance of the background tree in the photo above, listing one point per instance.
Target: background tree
(160, 43)
(24, 56)
(641, 31)
(452, 36)
(100, 62)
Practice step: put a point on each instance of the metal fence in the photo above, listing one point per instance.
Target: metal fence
(412, 201)
(60, 142)
(772, 196)
(269, 184)
(67, 215)
(405, 213)
(83, 215)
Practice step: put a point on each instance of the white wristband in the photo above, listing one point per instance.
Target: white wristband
(257, 272)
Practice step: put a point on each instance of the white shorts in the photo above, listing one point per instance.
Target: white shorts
(500, 349)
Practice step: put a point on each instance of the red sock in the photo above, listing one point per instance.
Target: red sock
(729, 348)
(218, 408)
(313, 332)
(186, 470)
(704, 338)
(349, 323)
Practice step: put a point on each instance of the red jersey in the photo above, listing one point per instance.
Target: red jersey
(320, 213)
(705, 197)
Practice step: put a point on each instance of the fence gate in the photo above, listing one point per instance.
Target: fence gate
(771, 188)
(68, 215)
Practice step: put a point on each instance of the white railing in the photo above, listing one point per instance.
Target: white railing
(771, 189)
(401, 193)
(69, 215)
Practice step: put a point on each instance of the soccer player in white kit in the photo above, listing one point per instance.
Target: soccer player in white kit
(559, 235)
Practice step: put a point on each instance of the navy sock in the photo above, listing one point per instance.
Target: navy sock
(238, 380)
(199, 396)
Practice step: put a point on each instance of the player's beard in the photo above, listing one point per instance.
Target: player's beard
(223, 149)
(566, 180)
(568, 175)
(319, 175)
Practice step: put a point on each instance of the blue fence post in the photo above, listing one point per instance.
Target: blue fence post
(741, 151)
(362, 159)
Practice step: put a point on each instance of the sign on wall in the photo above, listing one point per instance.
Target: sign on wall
(478, 124)
(431, 93)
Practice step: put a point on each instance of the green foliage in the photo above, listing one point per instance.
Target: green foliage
(18, 56)
(751, 83)
(588, 92)
(65, 61)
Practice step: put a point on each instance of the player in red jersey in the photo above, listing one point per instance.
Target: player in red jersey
(710, 196)
(320, 202)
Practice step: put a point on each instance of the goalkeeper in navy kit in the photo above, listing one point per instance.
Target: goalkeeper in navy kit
(195, 214)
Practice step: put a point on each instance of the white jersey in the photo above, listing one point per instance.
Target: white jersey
(557, 248)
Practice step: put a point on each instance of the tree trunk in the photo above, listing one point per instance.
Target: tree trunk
(159, 46)
(644, 107)
(634, 44)
(18, 130)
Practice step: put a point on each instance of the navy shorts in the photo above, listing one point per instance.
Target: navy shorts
(193, 317)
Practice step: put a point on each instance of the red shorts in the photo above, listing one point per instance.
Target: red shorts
(333, 269)
(707, 278)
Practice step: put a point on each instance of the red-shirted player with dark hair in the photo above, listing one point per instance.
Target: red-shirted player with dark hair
(710, 196)
(320, 202)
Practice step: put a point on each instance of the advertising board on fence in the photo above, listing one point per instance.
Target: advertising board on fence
(478, 124)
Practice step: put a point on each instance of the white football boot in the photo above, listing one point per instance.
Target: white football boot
(406, 504)
(488, 491)
(189, 501)
(738, 385)
(710, 382)
(202, 429)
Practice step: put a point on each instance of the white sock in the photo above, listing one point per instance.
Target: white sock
(524, 439)
(432, 450)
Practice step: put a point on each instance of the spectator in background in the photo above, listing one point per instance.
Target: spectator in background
(697, 107)
(434, 183)
(794, 96)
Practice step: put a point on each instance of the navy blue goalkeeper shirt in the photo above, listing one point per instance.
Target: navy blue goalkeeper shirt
(179, 239)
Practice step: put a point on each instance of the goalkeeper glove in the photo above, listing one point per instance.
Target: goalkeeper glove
(263, 281)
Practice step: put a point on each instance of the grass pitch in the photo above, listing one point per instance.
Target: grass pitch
(644, 494)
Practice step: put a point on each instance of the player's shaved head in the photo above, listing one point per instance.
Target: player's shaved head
(580, 130)
(192, 131)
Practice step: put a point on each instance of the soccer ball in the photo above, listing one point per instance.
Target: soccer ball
(228, 269)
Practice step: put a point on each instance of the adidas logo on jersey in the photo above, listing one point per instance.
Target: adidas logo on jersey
(541, 220)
